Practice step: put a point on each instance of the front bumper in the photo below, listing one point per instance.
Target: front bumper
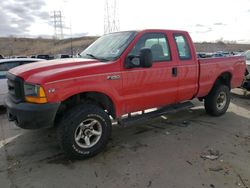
(31, 116)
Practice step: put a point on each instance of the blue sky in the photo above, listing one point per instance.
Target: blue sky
(206, 20)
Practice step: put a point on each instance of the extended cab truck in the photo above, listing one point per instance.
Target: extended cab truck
(118, 74)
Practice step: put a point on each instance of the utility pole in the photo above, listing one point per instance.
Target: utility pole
(111, 21)
(71, 43)
(58, 24)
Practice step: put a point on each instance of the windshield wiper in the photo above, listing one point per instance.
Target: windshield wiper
(98, 58)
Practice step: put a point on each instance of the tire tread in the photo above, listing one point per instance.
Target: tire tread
(68, 120)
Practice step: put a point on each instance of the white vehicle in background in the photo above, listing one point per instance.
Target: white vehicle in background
(247, 54)
(7, 64)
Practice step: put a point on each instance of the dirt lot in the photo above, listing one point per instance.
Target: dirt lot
(174, 151)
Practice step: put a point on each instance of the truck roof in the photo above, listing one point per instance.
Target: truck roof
(154, 30)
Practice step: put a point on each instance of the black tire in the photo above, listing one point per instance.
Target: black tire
(71, 134)
(214, 99)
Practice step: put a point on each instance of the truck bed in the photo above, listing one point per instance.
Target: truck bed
(210, 68)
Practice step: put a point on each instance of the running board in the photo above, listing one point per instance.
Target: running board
(170, 109)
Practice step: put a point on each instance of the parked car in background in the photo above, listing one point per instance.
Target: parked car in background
(246, 83)
(62, 56)
(44, 56)
(218, 54)
(201, 54)
(204, 55)
(222, 54)
(7, 64)
(20, 57)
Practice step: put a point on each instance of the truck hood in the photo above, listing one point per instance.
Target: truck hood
(46, 71)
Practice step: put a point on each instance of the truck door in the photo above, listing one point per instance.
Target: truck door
(187, 68)
(150, 87)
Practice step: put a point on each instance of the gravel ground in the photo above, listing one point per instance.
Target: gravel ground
(186, 150)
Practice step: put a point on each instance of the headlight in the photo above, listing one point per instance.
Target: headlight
(34, 93)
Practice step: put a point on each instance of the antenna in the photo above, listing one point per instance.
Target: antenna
(111, 21)
(58, 25)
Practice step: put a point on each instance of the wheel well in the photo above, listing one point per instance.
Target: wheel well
(225, 79)
(96, 98)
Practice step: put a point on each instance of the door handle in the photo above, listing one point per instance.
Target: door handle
(174, 71)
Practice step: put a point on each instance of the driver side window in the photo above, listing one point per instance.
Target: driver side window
(158, 44)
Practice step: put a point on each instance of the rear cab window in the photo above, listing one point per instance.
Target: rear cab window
(183, 47)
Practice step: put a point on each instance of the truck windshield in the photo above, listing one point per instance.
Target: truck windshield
(109, 47)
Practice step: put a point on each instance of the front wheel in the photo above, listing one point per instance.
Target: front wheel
(217, 101)
(84, 131)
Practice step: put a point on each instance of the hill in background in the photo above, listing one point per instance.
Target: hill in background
(26, 46)
(221, 46)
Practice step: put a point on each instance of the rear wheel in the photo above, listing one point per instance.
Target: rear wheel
(217, 101)
(84, 131)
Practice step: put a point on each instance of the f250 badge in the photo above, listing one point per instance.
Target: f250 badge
(113, 77)
(52, 90)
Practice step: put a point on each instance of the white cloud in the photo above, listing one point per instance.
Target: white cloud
(206, 20)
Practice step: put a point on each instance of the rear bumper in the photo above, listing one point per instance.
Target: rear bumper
(31, 116)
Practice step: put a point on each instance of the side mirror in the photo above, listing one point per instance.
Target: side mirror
(144, 59)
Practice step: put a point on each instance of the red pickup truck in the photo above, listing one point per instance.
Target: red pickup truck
(118, 74)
